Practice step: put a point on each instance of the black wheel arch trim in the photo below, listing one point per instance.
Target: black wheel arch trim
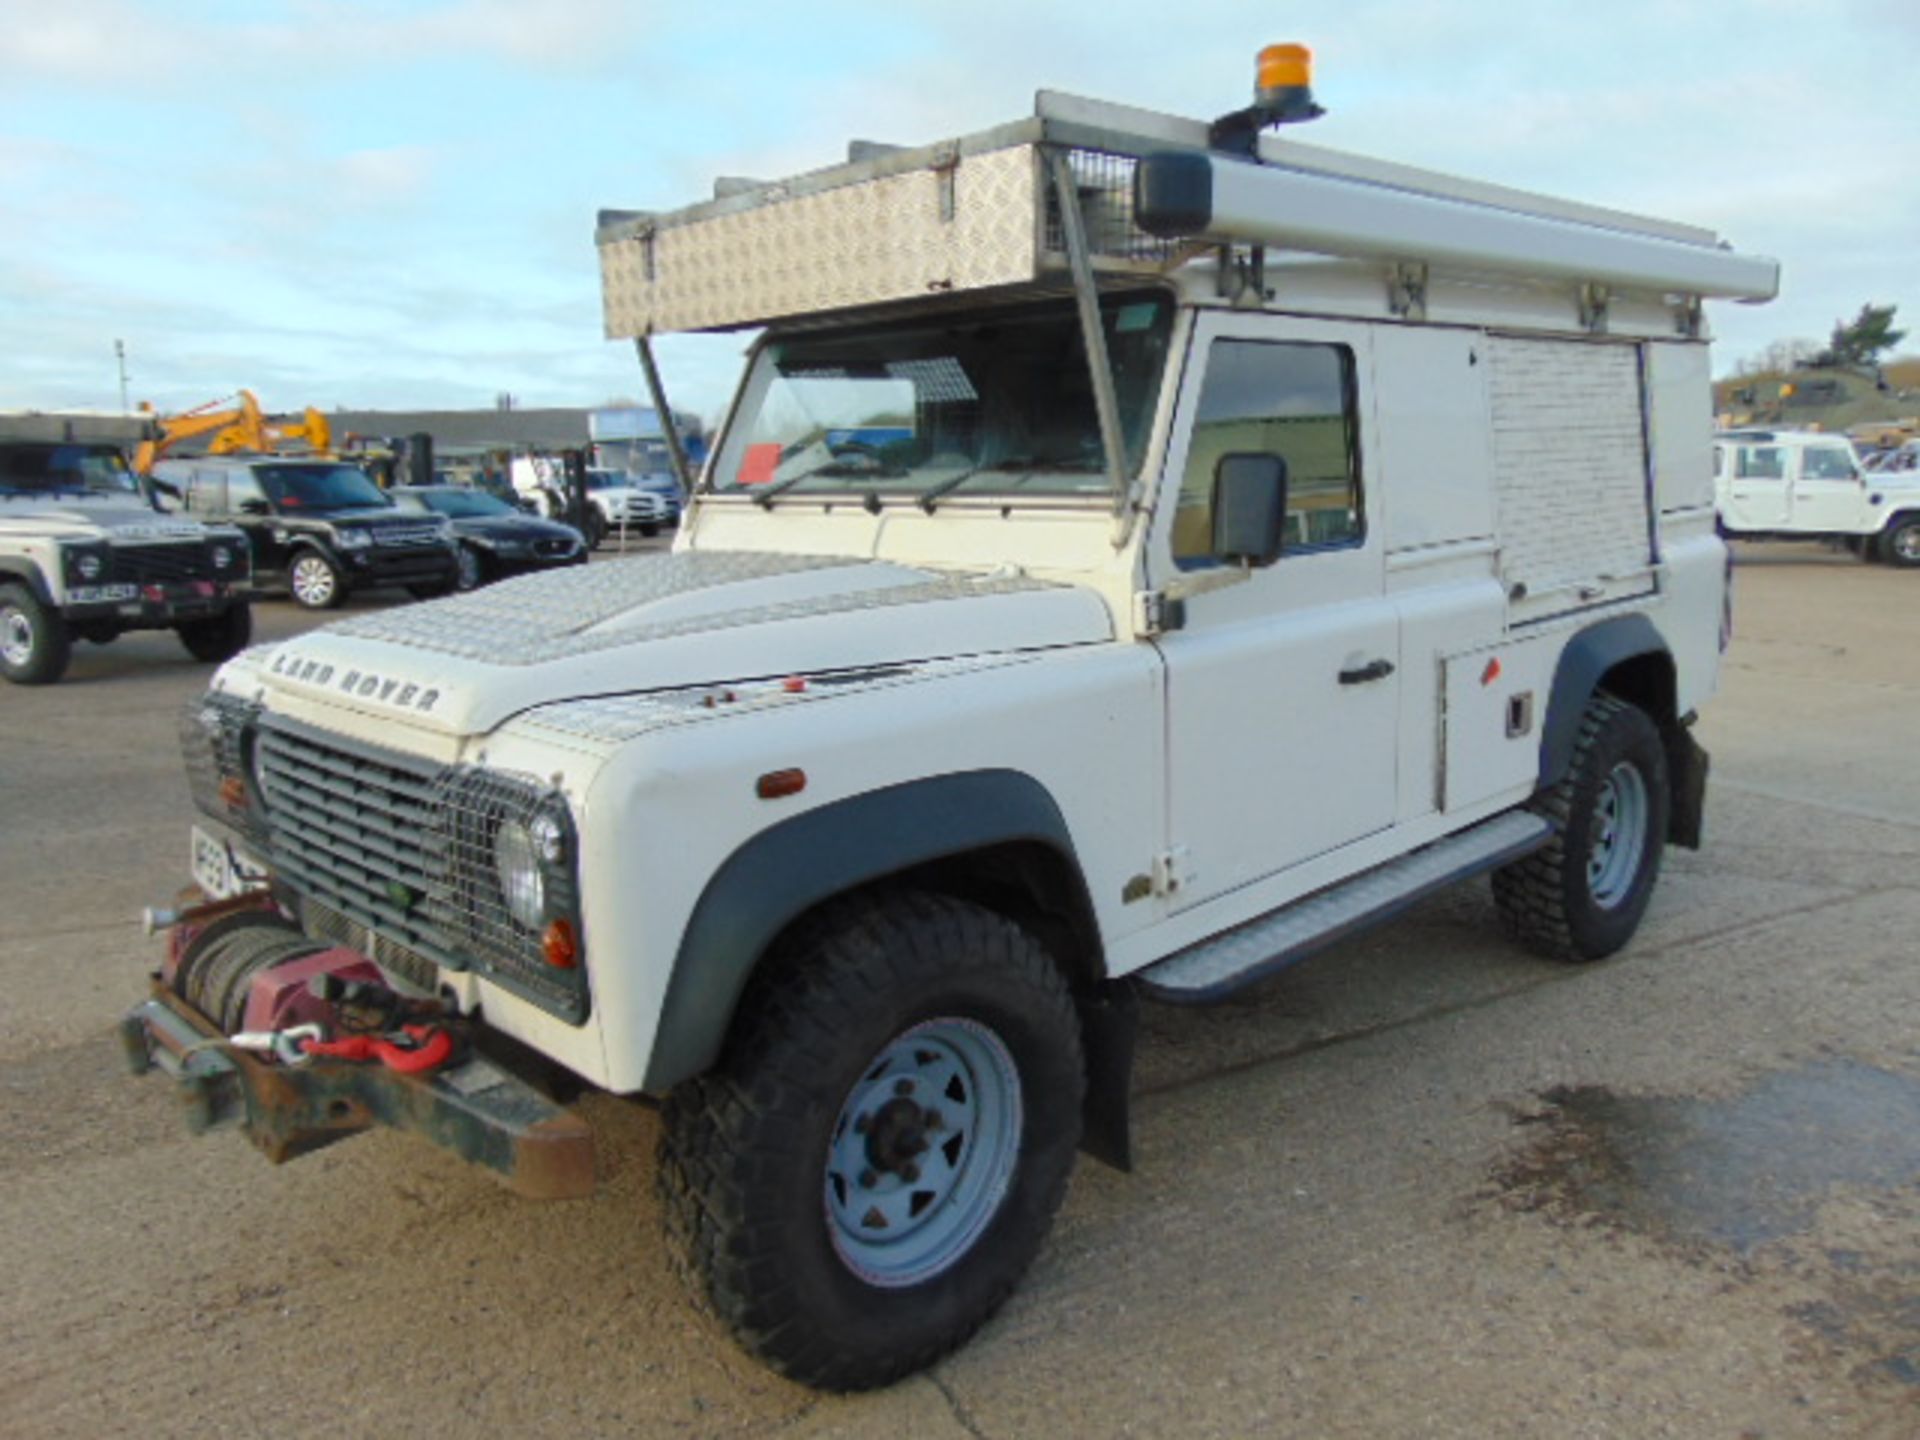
(1586, 661)
(1586, 658)
(27, 573)
(795, 865)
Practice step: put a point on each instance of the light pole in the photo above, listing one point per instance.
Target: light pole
(120, 355)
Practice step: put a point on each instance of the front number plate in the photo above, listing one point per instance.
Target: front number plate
(220, 869)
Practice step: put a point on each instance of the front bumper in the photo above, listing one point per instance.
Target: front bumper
(435, 566)
(477, 1110)
(149, 607)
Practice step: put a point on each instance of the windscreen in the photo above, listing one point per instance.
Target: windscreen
(997, 403)
(320, 487)
(67, 469)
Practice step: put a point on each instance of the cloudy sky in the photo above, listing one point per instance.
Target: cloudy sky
(390, 203)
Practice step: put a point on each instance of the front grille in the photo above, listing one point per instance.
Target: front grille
(398, 537)
(404, 848)
(161, 564)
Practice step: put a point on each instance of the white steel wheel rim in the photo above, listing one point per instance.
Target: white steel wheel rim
(16, 635)
(1906, 542)
(1620, 814)
(469, 564)
(923, 1152)
(312, 580)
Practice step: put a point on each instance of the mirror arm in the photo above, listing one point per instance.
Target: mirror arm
(1200, 582)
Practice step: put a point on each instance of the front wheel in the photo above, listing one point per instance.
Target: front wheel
(470, 571)
(878, 1156)
(1901, 544)
(220, 637)
(34, 646)
(1582, 896)
(315, 581)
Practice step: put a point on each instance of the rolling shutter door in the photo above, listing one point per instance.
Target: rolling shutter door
(1569, 473)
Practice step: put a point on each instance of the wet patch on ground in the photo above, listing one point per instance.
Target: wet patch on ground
(1809, 1177)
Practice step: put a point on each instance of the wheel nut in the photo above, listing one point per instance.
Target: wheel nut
(933, 1119)
(903, 1087)
(862, 1124)
(868, 1179)
(909, 1173)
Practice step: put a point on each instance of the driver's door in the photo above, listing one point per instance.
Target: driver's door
(1283, 688)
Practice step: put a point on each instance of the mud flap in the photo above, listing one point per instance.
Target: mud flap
(1109, 1021)
(1687, 776)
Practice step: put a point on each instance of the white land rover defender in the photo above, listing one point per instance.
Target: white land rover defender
(1805, 485)
(1238, 540)
(84, 555)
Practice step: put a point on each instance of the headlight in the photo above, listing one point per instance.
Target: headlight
(257, 767)
(444, 530)
(352, 538)
(222, 557)
(91, 567)
(516, 865)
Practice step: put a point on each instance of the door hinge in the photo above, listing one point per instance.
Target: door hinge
(1172, 871)
(1156, 613)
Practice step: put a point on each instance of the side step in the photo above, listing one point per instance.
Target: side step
(1216, 968)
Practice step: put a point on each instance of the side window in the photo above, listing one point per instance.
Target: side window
(1289, 399)
(242, 486)
(1762, 462)
(207, 493)
(1826, 462)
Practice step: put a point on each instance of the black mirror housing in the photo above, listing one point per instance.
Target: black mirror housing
(1249, 508)
(254, 507)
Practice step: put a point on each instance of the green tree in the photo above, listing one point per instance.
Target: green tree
(1866, 337)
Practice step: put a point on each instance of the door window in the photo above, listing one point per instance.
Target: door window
(1288, 399)
(207, 494)
(1762, 462)
(1826, 462)
(242, 486)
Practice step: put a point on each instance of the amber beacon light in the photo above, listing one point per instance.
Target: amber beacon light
(1283, 67)
(1282, 95)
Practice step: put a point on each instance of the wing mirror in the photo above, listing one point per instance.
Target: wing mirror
(1249, 508)
(254, 507)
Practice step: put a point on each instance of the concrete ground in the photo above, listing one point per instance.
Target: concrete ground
(1422, 1185)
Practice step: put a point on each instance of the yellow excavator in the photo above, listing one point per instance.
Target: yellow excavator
(237, 428)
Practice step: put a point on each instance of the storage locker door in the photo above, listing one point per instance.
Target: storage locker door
(1571, 487)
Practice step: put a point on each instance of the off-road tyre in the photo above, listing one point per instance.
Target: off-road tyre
(310, 587)
(1900, 544)
(594, 530)
(34, 644)
(219, 637)
(1547, 900)
(747, 1149)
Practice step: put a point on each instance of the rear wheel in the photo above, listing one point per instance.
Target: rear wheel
(1582, 896)
(34, 645)
(1901, 544)
(219, 638)
(877, 1158)
(315, 581)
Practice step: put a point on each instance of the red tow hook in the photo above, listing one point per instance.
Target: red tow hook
(424, 1048)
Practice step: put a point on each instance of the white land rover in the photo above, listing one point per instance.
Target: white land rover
(1805, 485)
(85, 556)
(1140, 553)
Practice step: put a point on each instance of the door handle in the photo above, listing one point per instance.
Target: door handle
(1372, 670)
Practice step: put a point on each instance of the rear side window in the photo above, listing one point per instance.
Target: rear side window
(1288, 399)
(1762, 462)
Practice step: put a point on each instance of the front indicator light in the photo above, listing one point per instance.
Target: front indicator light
(558, 945)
